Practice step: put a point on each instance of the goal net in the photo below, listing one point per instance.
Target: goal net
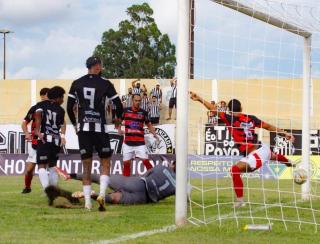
(265, 53)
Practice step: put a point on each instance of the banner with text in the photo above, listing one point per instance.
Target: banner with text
(12, 139)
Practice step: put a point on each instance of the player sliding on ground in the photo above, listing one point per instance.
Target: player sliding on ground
(242, 128)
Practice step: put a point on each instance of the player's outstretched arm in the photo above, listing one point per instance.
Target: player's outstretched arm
(280, 131)
(195, 97)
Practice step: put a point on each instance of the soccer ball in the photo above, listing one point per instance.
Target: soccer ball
(300, 176)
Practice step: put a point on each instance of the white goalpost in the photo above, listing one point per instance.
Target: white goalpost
(212, 196)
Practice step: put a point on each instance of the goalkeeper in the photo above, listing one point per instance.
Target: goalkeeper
(242, 128)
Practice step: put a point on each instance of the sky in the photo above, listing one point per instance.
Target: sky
(52, 39)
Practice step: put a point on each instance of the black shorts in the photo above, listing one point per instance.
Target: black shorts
(47, 153)
(88, 141)
(173, 102)
(155, 120)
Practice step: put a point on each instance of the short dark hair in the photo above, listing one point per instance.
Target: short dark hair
(91, 61)
(44, 91)
(234, 105)
(137, 94)
(56, 92)
(154, 96)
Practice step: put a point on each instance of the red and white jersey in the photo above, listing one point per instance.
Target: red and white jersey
(242, 128)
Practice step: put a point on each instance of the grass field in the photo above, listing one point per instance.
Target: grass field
(28, 218)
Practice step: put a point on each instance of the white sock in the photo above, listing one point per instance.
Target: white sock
(53, 176)
(87, 194)
(239, 199)
(44, 178)
(104, 182)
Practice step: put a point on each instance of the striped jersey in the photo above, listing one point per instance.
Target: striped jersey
(127, 100)
(134, 121)
(157, 93)
(136, 90)
(154, 110)
(145, 102)
(173, 91)
(90, 92)
(242, 130)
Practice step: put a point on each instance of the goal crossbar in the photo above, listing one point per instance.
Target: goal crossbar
(263, 17)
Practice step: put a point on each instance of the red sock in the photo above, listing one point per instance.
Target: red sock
(147, 164)
(27, 181)
(281, 158)
(126, 168)
(237, 181)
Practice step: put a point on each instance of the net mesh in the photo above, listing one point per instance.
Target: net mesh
(238, 56)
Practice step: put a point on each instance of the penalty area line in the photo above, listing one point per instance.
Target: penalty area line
(133, 236)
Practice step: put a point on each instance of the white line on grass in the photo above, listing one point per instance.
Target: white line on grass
(168, 228)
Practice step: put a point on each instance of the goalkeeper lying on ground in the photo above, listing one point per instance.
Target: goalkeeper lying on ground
(157, 184)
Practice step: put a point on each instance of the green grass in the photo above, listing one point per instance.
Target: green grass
(28, 218)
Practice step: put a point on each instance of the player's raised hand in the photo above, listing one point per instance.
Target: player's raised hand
(194, 96)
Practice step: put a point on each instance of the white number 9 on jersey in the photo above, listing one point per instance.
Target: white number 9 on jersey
(88, 93)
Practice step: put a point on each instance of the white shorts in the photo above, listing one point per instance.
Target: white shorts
(131, 152)
(258, 157)
(32, 154)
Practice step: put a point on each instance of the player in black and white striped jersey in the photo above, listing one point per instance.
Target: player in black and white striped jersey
(154, 111)
(127, 99)
(89, 93)
(156, 91)
(136, 87)
(145, 102)
(173, 97)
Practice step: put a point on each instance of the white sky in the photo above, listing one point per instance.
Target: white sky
(52, 39)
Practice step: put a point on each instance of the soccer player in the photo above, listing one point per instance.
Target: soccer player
(173, 97)
(31, 137)
(241, 127)
(134, 119)
(136, 87)
(154, 111)
(89, 93)
(145, 102)
(158, 183)
(156, 91)
(49, 123)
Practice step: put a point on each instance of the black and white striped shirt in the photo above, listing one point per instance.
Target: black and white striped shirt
(128, 100)
(136, 90)
(157, 93)
(90, 93)
(145, 101)
(154, 110)
(173, 91)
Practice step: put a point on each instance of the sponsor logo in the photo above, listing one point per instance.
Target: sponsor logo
(161, 146)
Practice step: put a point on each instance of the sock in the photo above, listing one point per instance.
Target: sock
(87, 195)
(104, 182)
(237, 181)
(126, 168)
(53, 176)
(44, 178)
(27, 181)
(281, 158)
(147, 164)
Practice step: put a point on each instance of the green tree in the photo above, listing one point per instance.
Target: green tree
(138, 48)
